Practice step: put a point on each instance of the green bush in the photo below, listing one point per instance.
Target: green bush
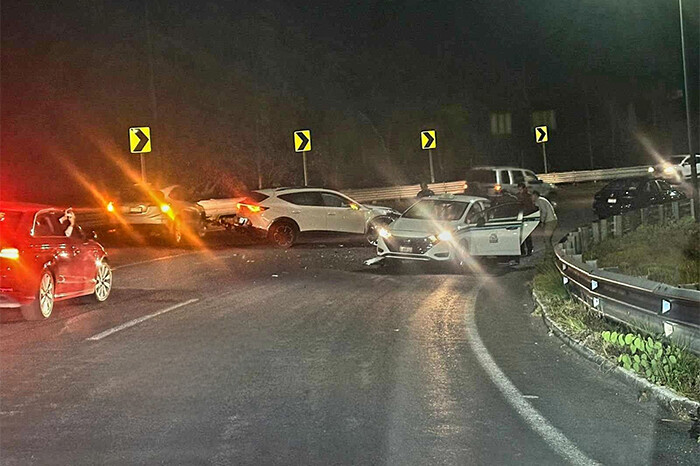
(658, 362)
(668, 253)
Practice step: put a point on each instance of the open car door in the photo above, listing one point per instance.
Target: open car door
(500, 230)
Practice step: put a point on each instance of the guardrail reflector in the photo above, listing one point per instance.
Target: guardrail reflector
(668, 329)
(566, 280)
(563, 266)
(665, 306)
(594, 284)
(596, 301)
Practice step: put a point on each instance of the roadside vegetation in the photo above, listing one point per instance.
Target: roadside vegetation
(668, 253)
(647, 355)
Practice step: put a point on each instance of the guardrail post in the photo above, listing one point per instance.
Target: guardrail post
(603, 228)
(676, 210)
(661, 214)
(692, 208)
(595, 227)
(617, 226)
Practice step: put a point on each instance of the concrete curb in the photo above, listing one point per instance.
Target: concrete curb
(664, 396)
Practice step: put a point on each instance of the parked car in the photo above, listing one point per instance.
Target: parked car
(495, 182)
(40, 265)
(167, 213)
(281, 214)
(627, 194)
(677, 168)
(453, 229)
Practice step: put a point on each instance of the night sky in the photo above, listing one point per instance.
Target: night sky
(232, 80)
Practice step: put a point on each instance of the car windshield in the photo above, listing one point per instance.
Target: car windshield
(435, 209)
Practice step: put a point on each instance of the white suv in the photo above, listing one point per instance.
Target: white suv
(495, 181)
(282, 213)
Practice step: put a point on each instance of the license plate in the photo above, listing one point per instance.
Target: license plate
(135, 210)
(405, 249)
(612, 201)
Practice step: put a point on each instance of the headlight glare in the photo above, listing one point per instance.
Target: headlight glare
(384, 233)
(445, 236)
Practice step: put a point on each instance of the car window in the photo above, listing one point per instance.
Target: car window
(333, 200)
(310, 198)
(651, 187)
(178, 194)
(474, 213)
(664, 185)
(435, 209)
(481, 176)
(517, 176)
(47, 224)
(530, 176)
(502, 212)
(505, 177)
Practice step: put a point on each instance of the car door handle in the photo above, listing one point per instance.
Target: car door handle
(512, 228)
(331, 213)
(296, 211)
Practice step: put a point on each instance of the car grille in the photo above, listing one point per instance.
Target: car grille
(417, 245)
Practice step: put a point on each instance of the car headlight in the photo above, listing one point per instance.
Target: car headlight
(650, 169)
(165, 208)
(384, 233)
(445, 236)
(669, 170)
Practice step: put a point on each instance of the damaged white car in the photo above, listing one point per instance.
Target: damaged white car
(454, 229)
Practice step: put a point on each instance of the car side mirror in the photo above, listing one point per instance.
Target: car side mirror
(481, 221)
(536, 181)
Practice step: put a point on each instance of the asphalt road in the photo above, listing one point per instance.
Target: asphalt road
(245, 354)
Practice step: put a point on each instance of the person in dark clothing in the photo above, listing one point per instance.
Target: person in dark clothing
(425, 191)
(528, 206)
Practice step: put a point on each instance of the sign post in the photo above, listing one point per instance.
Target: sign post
(428, 141)
(140, 143)
(302, 143)
(541, 137)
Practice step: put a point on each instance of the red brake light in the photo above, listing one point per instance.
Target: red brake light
(110, 207)
(254, 208)
(9, 253)
(498, 188)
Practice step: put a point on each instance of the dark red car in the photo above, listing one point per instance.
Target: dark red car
(39, 264)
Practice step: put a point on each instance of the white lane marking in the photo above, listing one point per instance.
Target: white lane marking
(550, 434)
(137, 321)
(157, 259)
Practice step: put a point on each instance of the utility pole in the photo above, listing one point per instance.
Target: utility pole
(693, 162)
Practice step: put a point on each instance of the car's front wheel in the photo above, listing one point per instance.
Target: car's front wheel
(373, 229)
(42, 307)
(103, 282)
(284, 234)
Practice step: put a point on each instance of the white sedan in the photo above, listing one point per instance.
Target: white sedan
(453, 228)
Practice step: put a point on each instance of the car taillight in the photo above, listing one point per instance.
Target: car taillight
(110, 207)
(254, 208)
(9, 253)
(466, 185)
(498, 188)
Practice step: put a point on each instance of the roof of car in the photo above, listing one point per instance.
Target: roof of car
(24, 206)
(289, 189)
(496, 167)
(455, 197)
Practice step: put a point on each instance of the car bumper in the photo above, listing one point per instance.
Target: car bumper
(438, 252)
(10, 300)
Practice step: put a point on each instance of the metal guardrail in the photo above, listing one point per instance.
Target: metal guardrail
(643, 304)
(455, 187)
(593, 175)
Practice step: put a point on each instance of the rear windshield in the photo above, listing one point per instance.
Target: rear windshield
(9, 221)
(481, 176)
(623, 185)
(136, 194)
(256, 196)
(435, 209)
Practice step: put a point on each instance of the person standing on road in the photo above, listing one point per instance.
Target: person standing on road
(425, 191)
(548, 218)
(528, 206)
